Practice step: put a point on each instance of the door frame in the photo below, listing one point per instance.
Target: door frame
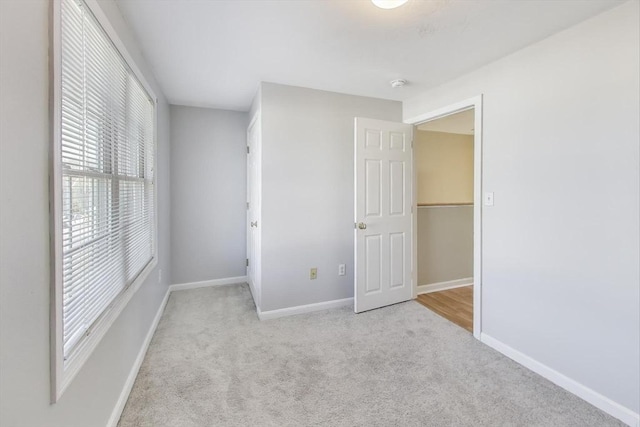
(254, 280)
(467, 104)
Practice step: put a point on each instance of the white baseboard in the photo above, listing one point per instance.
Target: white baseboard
(300, 309)
(128, 385)
(207, 283)
(596, 399)
(442, 286)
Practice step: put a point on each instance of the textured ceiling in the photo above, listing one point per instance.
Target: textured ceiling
(215, 52)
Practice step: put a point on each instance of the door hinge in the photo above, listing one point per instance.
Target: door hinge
(248, 150)
(247, 262)
(248, 204)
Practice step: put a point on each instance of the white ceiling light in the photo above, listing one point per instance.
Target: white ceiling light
(398, 83)
(388, 4)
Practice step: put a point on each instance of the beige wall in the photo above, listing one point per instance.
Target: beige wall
(444, 162)
(445, 243)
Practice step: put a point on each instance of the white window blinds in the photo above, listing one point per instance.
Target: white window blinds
(106, 167)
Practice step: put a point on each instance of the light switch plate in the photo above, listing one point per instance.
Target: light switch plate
(488, 199)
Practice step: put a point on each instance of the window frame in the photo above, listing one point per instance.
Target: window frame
(61, 375)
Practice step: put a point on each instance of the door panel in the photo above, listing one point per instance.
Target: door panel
(397, 259)
(373, 139)
(373, 190)
(373, 258)
(397, 141)
(396, 188)
(383, 167)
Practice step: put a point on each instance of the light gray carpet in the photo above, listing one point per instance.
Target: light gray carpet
(213, 363)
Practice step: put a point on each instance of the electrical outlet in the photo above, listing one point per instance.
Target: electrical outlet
(342, 270)
(160, 276)
(313, 273)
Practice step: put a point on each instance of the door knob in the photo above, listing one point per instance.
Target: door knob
(362, 226)
(254, 224)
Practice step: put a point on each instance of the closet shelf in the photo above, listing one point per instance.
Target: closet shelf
(439, 205)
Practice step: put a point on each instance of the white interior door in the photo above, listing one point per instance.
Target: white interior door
(254, 210)
(383, 236)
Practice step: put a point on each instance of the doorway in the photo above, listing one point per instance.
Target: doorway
(447, 202)
(386, 210)
(443, 153)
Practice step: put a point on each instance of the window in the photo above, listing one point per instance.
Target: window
(103, 185)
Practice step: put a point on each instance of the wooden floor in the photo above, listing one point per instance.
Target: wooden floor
(455, 305)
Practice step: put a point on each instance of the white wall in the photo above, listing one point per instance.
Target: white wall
(307, 191)
(561, 245)
(24, 242)
(208, 194)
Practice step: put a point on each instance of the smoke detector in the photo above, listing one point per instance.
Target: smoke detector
(398, 83)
